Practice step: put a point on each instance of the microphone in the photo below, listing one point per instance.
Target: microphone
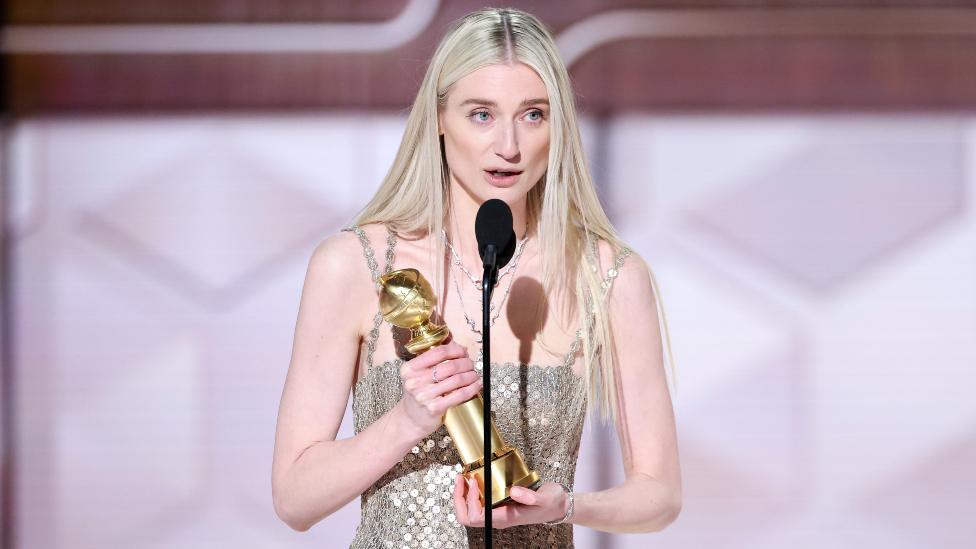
(496, 244)
(496, 238)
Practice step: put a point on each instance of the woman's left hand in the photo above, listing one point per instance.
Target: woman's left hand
(529, 506)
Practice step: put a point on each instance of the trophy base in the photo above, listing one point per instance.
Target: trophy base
(507, 470)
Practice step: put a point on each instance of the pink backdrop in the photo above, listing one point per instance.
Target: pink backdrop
(803, 196)
(818, 274)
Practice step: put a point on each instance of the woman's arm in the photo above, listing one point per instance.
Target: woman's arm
(650, 497)
(313, 475)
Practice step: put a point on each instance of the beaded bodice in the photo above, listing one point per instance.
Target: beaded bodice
(538, 409)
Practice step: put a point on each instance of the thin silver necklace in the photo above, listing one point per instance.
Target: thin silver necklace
(456, 259)
(497, 312)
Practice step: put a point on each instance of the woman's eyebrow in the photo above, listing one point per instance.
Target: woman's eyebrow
(490, 103)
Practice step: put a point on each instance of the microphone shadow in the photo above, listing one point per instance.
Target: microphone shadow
(527, 312)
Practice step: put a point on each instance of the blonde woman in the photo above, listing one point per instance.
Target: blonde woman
(574, 323)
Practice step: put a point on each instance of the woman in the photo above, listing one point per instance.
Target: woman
(494, 118)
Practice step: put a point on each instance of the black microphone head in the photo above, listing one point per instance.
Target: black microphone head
(493, 226)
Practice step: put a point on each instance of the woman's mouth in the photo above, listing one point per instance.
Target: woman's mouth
(502, 178)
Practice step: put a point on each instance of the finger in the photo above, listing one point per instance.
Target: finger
(415, 377)
(463, 364)
(450, 367)
(456, 365)
(501, 516)
(524, 496)
(461, 394)
(475, 510)
(445, 386)
(508, 515)
(437, 355)
(460, 504)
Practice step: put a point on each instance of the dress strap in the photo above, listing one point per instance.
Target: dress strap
(370, 256)
(374, 271)
(605, 284)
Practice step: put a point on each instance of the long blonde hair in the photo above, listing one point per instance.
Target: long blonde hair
(564, 208)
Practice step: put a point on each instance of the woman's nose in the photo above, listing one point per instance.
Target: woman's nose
(506, 141)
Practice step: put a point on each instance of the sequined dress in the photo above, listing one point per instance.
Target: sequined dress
(538, 409)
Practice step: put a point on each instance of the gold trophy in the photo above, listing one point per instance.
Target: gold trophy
(407, 300)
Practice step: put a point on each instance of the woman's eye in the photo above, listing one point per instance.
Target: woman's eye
(478, 114)
(539, 115)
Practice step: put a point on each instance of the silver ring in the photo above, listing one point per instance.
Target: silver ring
(435, 373)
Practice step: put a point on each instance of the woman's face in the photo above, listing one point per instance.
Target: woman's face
(497, 120)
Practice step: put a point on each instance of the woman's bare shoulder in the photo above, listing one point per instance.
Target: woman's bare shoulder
(344, 252)
(339, 261)
(621, 267)
(333, 255)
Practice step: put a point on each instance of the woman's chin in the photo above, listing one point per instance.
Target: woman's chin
(510, 195)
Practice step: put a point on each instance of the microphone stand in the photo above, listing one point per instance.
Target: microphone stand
(487, 286)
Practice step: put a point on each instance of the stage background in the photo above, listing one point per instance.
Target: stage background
(799, 176)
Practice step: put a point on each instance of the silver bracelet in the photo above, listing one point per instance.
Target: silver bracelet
(569, 508)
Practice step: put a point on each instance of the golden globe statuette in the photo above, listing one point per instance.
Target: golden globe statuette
(407, 300)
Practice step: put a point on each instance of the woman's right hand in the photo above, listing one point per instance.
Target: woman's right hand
(425, 402)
